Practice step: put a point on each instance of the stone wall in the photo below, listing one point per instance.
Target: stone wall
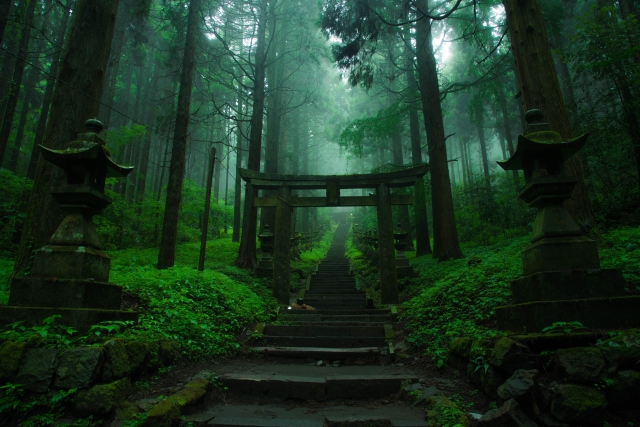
(554, 381)
(102, 374)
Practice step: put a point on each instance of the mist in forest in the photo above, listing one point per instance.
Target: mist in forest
(302, 87)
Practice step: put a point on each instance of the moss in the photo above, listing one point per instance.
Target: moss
(575, 403)
(169, 352)
(167, 412)
(116, 360)
(444, 412)
(461, 347)
(138, 353)
(125, 411)
(480, 348)
(103, 398)
(10, 356)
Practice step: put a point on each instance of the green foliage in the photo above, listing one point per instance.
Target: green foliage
(15, 195)
(458, 298)
(48, 334)
(39, 410)
(455, 299)
(447, 416)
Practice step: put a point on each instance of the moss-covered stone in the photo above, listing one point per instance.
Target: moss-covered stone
(509, 356)
(169, 352)
(580, 364)
(167, 412)
(116, 360)
(622, 351)
(442, 411)
(37, 369)
(153, 361)
(461, 347)
(10, 356)
(79, 367)
(138, 353)
(487, 378)
(124, 412)
(102, 398)
(578, 404)
(624, 392)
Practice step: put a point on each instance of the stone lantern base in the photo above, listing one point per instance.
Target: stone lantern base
(403, 269)
(264, 269)
(71, 281)
(595, 298)
(560, 253)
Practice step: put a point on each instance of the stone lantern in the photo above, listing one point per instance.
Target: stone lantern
(265, 266)
(402, 263)
(557, 243)
(563, 281)
(71, 273)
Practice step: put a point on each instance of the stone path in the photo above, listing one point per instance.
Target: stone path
(324, 367)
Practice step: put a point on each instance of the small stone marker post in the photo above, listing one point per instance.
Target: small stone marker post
(70, 275)
(563, 280)
(265, 266)
(402, 263)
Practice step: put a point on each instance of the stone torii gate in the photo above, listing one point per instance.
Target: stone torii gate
(284, 203)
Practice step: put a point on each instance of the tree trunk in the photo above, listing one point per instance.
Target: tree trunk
(507, 133)
(247, 251)
(18, 72)
(445, 236)
(48, 96)
(29, 95)
(237, 199)
(166, 256)
(5, 6)
(83, 67)
(540, 89)
(483, 149)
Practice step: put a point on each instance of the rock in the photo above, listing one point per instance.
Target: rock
(102, 398)
(580, 364)
(510, 356)
(577, 404)
(474, 416)
(116, 361)
(125, 412)
(430, 391)
(10, 356)
(79, 367)
(622, 351)
(169, 352)
(319, 363)
(167, 412)
(519, 385)
(37, 369)
(508, 415)
(146, 404)
(138, 353)
(624, 393)
(549, 421)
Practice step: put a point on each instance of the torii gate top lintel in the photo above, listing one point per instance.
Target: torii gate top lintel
(401, 178)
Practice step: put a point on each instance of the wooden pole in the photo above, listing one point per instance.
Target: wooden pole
(386, 251)
(207, 207)
(282, 251)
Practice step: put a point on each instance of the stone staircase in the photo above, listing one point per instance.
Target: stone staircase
(340, 325)
(321, 368)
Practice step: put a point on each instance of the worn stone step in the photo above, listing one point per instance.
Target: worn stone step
(280, 416)
(381, 322)
(386, 318)
(335, 291)
(329, 353)
(335, 296)
(323, 331)
(334, 312)
(337, 342)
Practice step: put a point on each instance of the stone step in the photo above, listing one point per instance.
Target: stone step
(335, 296)
(337, 291)
(323, 331)
(335, 342)
(394, 415)
(386, 318)
(381, 322)
(337, 312)
(326, 305)
(329, 353)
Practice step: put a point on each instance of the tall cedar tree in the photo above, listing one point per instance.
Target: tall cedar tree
(247, 251)
(5, 6)
(540, 89)
(445, 235)
(74, 102)
(16, 81)
(166, 257)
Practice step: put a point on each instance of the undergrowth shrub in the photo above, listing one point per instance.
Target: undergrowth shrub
(15, 196)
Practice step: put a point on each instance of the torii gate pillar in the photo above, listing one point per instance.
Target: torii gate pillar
(386, 251)
(282, 246)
